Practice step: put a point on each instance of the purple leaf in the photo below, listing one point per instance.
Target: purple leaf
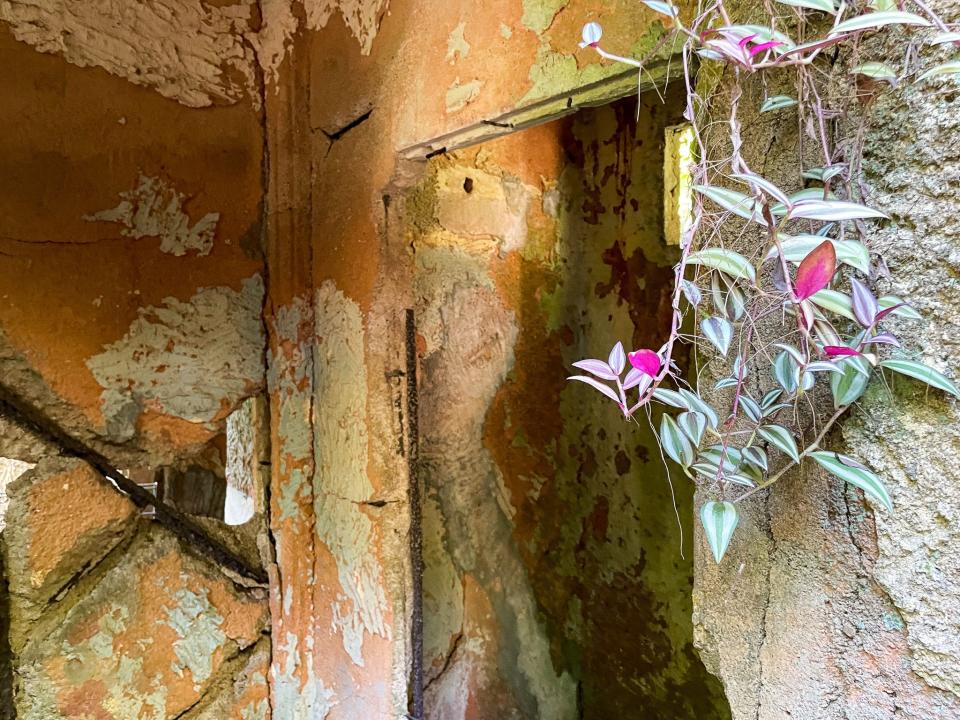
(864, 303)
(597, 367)
(637, 378)
(884, 338)
(646, 361)
(617, 360)
(816, 270)
(605, 389)
(692, 292)
(779, 279)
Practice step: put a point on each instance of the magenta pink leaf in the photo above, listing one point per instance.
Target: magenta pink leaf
(886, 311)
(763, 47)
(646, 361)
(815, 271)
(833, 351)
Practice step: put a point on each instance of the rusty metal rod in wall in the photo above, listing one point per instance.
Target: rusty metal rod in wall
(416, 708)
(24, 414)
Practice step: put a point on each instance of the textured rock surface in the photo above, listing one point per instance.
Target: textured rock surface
(110, 618)
(827, 606)
(50, 538)
(911, 436)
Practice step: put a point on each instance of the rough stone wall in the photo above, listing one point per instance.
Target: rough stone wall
(111, 618)
(826, 606)
(554, 586)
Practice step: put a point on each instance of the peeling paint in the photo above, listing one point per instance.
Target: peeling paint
(538, 15)
(145, 638)
(362, 17)
(296, 700)
(195, 360)
(197, 623)
(280, 24)
(155, 208)
(470, 337)
(459, 95)
(457, 44)
(341, 481)
(187, 50)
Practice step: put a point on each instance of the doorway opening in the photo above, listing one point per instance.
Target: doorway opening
(555, 585)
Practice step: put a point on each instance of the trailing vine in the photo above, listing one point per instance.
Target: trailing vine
(790, 311)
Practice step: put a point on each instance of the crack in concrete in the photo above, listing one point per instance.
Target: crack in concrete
(766, 605)
(335, 135)
(447, 661)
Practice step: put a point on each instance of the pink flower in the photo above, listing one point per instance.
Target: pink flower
(646, 361)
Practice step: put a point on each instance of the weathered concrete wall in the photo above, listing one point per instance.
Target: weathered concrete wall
(129, 238)
(338, 114)
(555, 585)
(824, 607)
(111, 618)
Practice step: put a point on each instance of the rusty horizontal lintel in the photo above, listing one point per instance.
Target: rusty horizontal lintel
(24, 414)
(601, 92)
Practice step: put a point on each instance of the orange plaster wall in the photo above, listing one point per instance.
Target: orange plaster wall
(74, 140)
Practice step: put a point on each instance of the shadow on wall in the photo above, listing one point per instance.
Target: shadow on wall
(554, 583)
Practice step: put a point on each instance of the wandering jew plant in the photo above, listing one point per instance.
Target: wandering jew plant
(810, 277)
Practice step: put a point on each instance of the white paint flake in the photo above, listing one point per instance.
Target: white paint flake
(155, 208)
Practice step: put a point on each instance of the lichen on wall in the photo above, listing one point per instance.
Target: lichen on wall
(194, 360)
(155, 208)
(187, 50)
(538, 14)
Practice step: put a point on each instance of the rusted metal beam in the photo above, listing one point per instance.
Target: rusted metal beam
(20, 411)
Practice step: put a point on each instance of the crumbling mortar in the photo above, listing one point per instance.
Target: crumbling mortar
(38, 615)
(224, 679)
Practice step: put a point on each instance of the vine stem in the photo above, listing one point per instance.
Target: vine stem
(806, 452)
(932, 15)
